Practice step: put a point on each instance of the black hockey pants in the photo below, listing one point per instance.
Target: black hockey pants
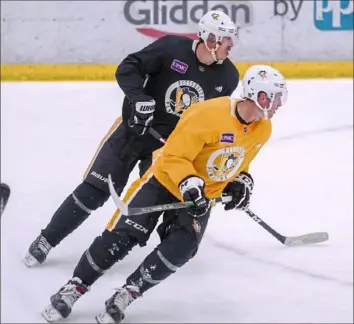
(180, 237)
(118, 154)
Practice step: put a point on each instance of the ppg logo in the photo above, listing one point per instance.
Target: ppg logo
(333, 14)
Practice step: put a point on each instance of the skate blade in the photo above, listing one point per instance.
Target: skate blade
(29, 260)
(50, 314)
(104, 318)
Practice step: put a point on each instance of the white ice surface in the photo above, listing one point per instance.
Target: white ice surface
(303, 183)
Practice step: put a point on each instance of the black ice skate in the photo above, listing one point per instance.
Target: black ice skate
(116, 305)
(63, 301)
(37, 252)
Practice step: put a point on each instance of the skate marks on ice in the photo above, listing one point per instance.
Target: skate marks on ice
(245, 254)
(305, 134)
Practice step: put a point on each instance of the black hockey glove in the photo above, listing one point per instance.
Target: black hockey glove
(192, 189)
(241, 191)
(142, 115)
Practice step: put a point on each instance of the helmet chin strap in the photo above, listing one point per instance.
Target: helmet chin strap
(213, 51)
(265, 114)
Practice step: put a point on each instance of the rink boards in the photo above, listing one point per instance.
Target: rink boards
(105, 72)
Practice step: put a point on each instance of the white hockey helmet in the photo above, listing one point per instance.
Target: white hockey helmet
(217, 23)
(264, 78)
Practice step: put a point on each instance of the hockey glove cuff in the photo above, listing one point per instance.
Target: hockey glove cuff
(142, 115)
(192, 189)
(241, 191)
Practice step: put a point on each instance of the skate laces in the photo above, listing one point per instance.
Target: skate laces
(43, 245)
(72, 291)
(125, 296)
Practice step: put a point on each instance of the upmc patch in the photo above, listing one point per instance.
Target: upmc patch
(179, 66)
(227, 138)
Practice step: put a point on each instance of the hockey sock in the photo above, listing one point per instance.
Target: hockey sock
(154, 269)
(73, 212)
(105, 251)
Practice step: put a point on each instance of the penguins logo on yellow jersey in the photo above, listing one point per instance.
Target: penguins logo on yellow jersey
(224, 163)
(181, 95)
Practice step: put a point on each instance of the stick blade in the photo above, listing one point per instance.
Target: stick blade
(119, 204)
(5, 192)
(306, 239)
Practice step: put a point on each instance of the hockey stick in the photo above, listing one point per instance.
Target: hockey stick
(157, 135)
(129, 211)
(309, 238)
(4, 196)
(286, 240)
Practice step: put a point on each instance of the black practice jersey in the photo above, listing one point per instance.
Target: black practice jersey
(169, 71)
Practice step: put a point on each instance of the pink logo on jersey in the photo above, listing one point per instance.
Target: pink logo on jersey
(179, 66)
(227, 138)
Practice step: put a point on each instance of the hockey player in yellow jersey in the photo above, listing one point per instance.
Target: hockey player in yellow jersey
(210, 142)
(206, 156)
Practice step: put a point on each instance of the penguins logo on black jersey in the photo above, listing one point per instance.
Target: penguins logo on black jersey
(181, 95)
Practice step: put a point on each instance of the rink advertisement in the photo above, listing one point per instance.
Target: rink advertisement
(159, 18)
(89, 37)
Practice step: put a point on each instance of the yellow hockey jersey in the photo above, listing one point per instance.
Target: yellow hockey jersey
(211, 143)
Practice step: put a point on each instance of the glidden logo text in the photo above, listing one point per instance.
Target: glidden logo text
(159, 18)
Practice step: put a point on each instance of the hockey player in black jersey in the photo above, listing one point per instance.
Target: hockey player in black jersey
(159, 82)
